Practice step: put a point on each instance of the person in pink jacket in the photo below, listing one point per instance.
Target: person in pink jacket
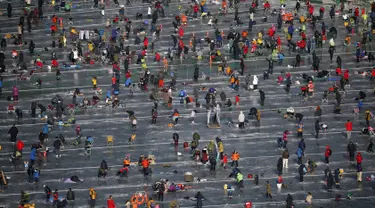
(15, 93)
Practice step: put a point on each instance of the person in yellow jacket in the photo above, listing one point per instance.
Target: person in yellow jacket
(258, 115)
(150, 203)
(368, 116)
(220, 147)
(90, 45)
(94, 81)
(92, 197)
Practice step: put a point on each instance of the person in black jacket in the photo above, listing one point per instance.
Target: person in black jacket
(57, 145)
(351, 148)
(280, 166)
(289, 201)
(48, 192)
(13, 131)
(33, 109)
(317, 129)
(262, 97)
(161, 190)
(70, 197)
(9, 9)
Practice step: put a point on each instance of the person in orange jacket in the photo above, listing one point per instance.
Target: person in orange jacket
(235, 157)
(145, 163)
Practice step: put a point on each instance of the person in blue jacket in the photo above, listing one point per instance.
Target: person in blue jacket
(45, 131)
(36, 175)
(299, 155)
(1, 85)
(290, 31)
(109, 94)
(32, 156)
(128, 82)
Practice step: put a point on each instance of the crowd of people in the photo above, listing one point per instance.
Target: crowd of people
(111, 46)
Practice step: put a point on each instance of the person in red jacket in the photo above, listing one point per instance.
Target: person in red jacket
(181, 32)
(237, 98)
(157, 57)
(53, 29)
(346, 77)
(110, 202)
(145, 42)
(225, 161)
(349, 129)
(115, 67)
(359, 158)
(55, 63)
(301, 44)
(327, 154)
(20, 145)
(271, 32)
(267, 5)
(311, 10)
(245, 50)
(196, 10)
(373, 74)
(338, 71)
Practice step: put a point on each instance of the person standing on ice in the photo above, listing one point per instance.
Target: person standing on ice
(235, 157)
(217, 113)
(289, 201)
(199, 198)
(351, 148)
(48, 192)
(268, 190)
(92, 200)
(285, 157)
(110, 202)
(241, 120)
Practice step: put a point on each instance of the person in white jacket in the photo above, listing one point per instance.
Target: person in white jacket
(149, 12)
(217, 113)
(192, 116)
(241, 120)
(255, 82)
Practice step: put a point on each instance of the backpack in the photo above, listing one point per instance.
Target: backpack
(329, 152)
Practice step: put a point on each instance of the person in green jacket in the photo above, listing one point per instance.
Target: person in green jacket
(239, 178)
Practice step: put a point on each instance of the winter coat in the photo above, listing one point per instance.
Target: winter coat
(104, 165)
(45, 129)
(15, 91)
(299, 152)
(255, 80)
(359, 158)
(289, 201)
(328, 152)
(13, 131)
(351, 147)
(302, 144)
(268, 188)
(241, 117)
(220, 147)
(280, 164)
(33, 154)
(70, 195)
(285, 154)
(111, 203)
